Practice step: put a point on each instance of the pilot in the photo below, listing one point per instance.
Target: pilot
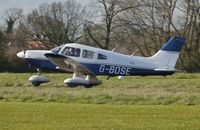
(71, 52)
(77, 53)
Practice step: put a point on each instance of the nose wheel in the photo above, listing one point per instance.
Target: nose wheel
(36, 80)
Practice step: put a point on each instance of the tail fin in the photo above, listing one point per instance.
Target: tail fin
(168, 55)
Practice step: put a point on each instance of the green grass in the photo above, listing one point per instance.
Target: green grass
(34, 116)
(179, 89)
(157, 103)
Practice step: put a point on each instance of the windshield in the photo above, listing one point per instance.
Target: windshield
(70, 51)
(57, 49)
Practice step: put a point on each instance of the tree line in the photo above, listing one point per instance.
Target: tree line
(142, 25)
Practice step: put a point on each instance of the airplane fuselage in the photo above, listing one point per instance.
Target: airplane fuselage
(102, 62)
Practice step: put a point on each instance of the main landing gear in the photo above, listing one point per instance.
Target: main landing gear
(36, 80)
(79, 79)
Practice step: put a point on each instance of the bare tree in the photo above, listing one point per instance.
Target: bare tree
(191, 30)
(153, 23)
(2, 42)
(150, 25)
(104, 33)
(58, 23)
(13, 15)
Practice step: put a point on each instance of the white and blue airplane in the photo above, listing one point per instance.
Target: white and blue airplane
(87, 62)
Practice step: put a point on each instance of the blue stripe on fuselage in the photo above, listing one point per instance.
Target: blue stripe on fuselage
(112, 70)
(99, 69)
(42, 64)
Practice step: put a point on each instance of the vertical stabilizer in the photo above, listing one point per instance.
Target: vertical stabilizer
(168, 55)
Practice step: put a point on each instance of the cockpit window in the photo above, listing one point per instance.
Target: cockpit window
(101, 57)
(70, 51)
(57, 49)
(88, 54)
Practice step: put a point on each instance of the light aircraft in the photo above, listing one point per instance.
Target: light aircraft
(87, 62)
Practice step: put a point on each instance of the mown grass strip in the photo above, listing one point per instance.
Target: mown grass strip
(36, 116)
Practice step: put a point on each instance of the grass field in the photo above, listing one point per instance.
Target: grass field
(179, 89)
(35, 116)
(157, 103)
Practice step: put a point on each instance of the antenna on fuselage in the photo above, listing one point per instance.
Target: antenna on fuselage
(115, 48)
(134, 52)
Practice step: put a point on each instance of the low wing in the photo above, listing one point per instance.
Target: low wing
(67, 64)
(164, 70)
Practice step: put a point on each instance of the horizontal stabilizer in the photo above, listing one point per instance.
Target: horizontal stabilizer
(163, 70)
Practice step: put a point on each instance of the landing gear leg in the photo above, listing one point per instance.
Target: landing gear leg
(38, 72)
(76, 80)
(93, 81)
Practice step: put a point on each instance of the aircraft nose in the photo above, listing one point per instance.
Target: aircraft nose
(21, 54)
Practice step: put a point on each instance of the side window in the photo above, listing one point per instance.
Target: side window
(70, 51)
(101, 57)
(88, 54)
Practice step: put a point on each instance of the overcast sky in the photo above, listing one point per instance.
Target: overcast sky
(28, 5)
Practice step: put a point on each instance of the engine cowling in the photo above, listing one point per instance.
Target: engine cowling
(37, 80)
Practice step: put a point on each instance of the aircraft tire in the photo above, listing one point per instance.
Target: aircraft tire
(72, 86)
(88, 86)
(36, 84)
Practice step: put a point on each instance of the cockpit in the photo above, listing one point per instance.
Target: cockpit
(77, 52)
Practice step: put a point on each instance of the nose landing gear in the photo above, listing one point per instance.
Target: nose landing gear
(36, 80)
